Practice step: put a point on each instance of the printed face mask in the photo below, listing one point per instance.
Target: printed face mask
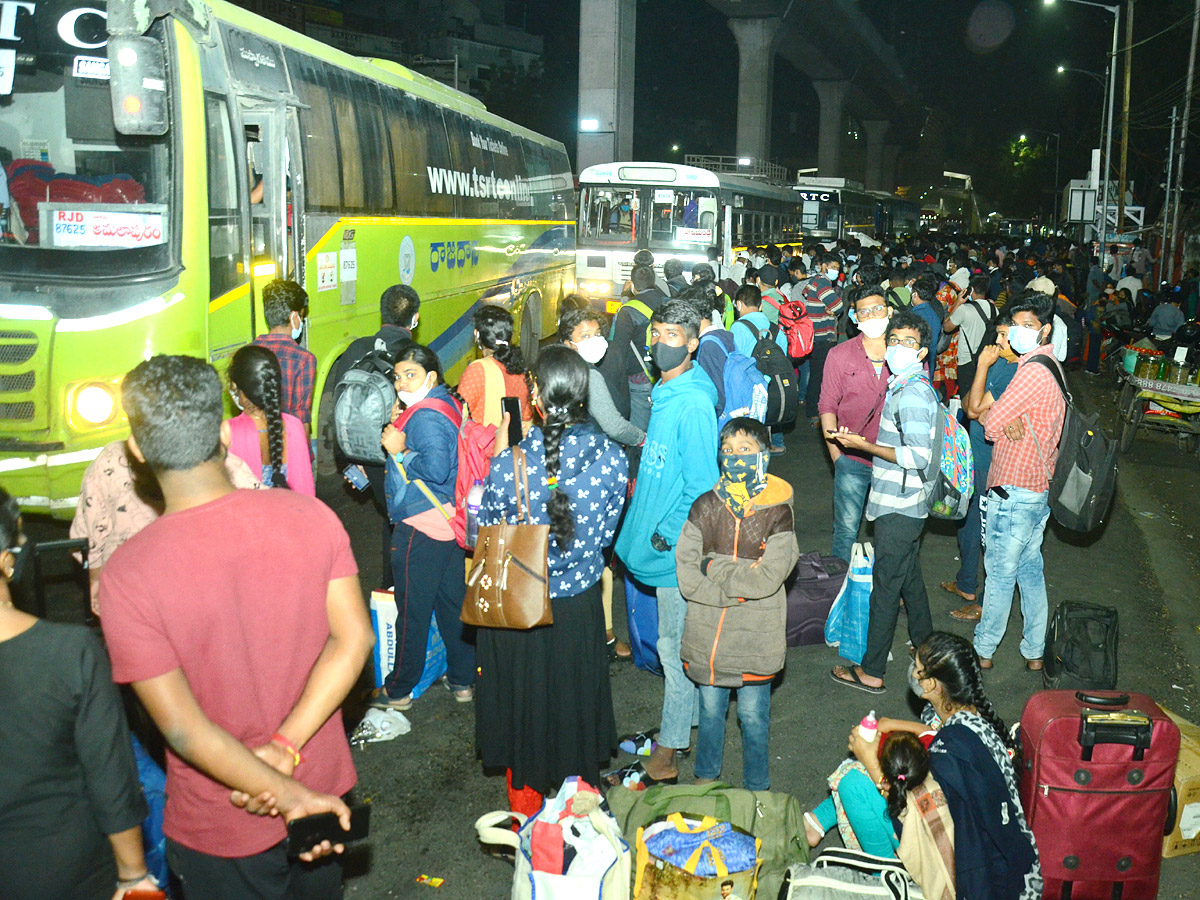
(742, 478)
(592, 349)
(667, 357)
(900, 358)
(873, 328)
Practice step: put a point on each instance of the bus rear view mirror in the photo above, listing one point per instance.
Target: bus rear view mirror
(138, 81)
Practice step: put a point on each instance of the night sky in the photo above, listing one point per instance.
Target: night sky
(986, 70)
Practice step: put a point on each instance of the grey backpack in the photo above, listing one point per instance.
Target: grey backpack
(362, 406)
(840, 874)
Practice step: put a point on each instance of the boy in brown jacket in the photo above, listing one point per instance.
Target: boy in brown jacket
(737, 548)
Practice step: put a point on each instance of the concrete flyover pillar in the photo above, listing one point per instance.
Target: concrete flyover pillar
(756, 66)
(832, 95)
(891, 153)
(607, 35)
(876, 131)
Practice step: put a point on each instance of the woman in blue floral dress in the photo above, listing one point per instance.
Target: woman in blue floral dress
(543, 700)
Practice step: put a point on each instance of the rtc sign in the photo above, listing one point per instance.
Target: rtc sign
(82, 27)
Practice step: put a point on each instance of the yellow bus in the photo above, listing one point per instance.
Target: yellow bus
(164, 161)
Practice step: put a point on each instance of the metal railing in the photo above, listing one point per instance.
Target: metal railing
(739, 165)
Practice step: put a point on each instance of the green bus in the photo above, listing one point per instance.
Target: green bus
(162, 161)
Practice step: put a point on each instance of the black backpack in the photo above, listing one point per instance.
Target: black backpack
(783, 391)
(362, 405)
(1085, 476)
(1081, 648)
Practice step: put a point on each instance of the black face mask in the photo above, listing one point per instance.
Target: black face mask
(667, 357)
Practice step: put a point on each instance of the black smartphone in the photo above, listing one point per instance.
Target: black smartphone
(512, 406)
(305, 833)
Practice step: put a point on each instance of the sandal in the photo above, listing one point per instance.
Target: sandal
(618, 651)
(640, 744)
(951, 587)
(379, 699)
(1034, 665)
(985, 662)
(854, 681)
(461, 694)
(970, 612)
(635, 778)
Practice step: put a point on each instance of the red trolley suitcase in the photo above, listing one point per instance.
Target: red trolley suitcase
(1097, 786)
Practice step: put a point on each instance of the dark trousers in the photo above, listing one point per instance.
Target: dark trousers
(375, 475)
(897, 574)
(430, 581)
(269, 875)
(816, 371)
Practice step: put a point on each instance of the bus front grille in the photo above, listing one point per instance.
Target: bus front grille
(20, 412)
(17, 384)
(23, 346)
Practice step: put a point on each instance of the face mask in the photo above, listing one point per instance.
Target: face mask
(20, 558)
(900, 358)
(667, 357)
(742, 478)
(234, 395)
(832, 274)
(873, 328)
(297, 332)
(913, 684)
(592, 349)
(1023, 339)
(408, 398)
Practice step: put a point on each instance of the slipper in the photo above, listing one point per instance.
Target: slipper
(951, 588)
(1034, 665)
(640, 744)
(618, 651)
(380, 700)
(969, 612)
(635, 778)
(854, 681)
(985, 662)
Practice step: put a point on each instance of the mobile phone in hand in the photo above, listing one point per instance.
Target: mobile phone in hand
(306, 832)
(512, 406)
(358, 480)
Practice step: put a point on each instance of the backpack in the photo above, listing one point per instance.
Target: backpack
(640, 307)
(475, 443)
(797, 327)
(362, 405)
(783, 391)
(743, 385)
(1081, 648)
(949, 479)
(1082, 484)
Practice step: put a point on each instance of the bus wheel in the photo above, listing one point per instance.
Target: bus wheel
(531, 330)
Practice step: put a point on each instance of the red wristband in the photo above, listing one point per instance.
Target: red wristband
(278, 738)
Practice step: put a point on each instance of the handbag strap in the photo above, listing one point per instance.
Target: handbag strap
(488, 828)
(521, 486)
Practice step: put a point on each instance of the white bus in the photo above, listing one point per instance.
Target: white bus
(675, 211)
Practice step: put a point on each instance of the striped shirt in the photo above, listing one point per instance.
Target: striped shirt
(897, 487)
(824, 305)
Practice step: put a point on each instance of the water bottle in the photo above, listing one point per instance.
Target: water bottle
(869, 727)
(474, 501)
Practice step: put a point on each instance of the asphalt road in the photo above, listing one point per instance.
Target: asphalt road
(427, 787)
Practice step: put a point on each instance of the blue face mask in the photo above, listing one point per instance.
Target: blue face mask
(297, 332)
(1023, 339)
(900, 358)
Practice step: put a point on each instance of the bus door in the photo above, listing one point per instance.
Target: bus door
(272, 252)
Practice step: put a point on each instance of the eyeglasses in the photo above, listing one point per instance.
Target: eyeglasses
(911, 343)
(874, 312)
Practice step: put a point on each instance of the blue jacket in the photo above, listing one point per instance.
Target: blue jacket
(432, 457)
(745, 338)
(679, 463)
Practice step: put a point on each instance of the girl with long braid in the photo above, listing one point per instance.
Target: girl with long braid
(274, 444)
(544, 703)
(498, 373)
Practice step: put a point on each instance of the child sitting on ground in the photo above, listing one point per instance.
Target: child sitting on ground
(736, 549)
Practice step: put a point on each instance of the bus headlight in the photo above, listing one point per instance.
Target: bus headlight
(94, 403)
(595, 287)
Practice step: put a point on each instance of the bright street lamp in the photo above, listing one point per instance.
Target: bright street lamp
(1022, 139)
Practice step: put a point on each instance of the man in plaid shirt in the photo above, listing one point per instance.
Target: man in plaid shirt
(285, 307)
(823, 300)
(1025, 425)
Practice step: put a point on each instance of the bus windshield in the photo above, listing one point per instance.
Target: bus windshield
(608, 215)
(77, 198)
(681, 219)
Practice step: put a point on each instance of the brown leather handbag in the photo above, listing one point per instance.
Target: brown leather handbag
(509, 586)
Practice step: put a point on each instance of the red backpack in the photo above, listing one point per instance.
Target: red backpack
(797, 327)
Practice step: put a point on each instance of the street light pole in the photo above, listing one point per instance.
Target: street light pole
(1125, 114)
(1183, 134)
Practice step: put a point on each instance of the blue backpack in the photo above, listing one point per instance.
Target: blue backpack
(744, 388)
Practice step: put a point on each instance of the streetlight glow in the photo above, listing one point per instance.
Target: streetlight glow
(674, 148)
(1022, 138)
(1061, 69)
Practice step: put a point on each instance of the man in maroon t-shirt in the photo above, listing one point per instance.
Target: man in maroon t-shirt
(238, 618)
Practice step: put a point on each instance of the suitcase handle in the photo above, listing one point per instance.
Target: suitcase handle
(1134, 734)
(1172, 811)
(1094, 700)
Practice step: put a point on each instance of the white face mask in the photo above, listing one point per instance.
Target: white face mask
(1023, 339)
(297, 332)
(234, 395)
(593, 348)
(873, 328)
(832, 274)
(900, 358)
(408, 398)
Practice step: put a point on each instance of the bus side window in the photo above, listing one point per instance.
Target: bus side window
(225, 245)
(421, 154)
(322, 171)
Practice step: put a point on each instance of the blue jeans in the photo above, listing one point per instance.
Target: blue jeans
(1013, 556)
(754, 713)
(970, 531)
(681, 698)
(803, 373)
(851, 485)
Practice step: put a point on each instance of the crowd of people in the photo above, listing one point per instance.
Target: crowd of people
(635, 454)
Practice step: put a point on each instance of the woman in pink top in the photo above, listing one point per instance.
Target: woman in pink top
(262, 431)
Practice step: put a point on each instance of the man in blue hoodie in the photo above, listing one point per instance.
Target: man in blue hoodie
(678, 465)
